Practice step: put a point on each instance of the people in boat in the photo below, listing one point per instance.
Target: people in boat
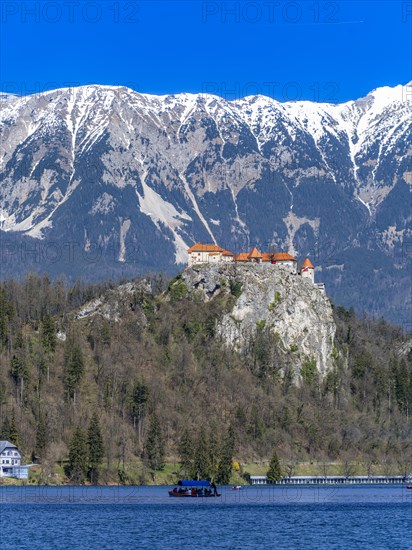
(193, 491)
(213, 485)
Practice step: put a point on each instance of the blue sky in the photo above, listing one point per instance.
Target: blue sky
(327, 51)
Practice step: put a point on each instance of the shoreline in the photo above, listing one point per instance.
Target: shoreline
(245, 474)
(281, 484)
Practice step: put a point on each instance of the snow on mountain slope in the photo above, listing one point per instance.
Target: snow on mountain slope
(146, 176)
(90, 111)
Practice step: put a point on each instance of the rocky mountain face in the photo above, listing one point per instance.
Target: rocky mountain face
(102, 181)
(271, 299)
(266, 306)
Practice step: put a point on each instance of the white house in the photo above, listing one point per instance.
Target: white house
(285, 260)
(208, 253)
(10, 459)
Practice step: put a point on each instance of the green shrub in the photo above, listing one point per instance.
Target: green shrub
(177, 289)
(272, 306)
(260, 325)
(236, 288)
(308, 370)
(148, 306)
(192, 328)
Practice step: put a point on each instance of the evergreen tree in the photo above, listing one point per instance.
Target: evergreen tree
(105, 336)
(42, 368)
(96, 449)
(154, 447)
(275, 471)
(214, 451)
(41, 436)
(9, 431)
(3, 329)
(201, 459)
(19, 372)
(74, 367)
(185, 449)
(225, 463)
(5, 430)
(402, 385)
(49, 334)
(77, 467)
(18, 340)
(137, 405)
(6, 311)
(14, 432)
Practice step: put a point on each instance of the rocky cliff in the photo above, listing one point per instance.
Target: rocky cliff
(270, 298)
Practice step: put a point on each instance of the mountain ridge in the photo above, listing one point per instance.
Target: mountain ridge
(146, 176)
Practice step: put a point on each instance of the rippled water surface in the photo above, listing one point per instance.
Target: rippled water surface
(98, 518)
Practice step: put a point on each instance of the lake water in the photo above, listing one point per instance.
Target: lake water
(99, 518)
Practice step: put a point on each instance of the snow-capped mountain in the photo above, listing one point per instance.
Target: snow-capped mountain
(102, 180)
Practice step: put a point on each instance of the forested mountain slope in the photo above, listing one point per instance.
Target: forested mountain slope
(151, 370)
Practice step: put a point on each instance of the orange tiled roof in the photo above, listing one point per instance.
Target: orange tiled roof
(199, 247)
(283, 257)
(308, 263)
(214, 249)
(242, 257)
(254, 253)
(267, 256)
(211, 248)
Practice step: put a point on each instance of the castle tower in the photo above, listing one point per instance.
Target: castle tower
(307, 270)
(255, 256)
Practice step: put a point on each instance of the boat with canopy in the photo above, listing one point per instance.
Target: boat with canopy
(194, 488)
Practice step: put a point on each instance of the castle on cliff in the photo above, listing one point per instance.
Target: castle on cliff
(201, 253)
